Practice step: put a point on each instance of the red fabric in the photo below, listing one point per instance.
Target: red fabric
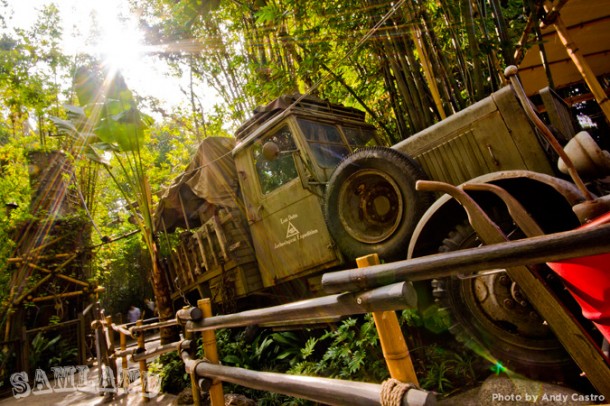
(588, 279)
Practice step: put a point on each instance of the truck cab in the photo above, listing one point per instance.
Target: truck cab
(285, 155)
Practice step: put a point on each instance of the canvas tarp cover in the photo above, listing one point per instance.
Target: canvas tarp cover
(209, 180)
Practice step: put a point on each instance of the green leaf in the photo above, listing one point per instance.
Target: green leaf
(87, 86)
(231, 359)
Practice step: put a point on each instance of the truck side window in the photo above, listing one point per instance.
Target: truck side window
(274, 173)
(325, 141)
(359, 137)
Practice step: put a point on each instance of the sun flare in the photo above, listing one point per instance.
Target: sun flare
(120, 48)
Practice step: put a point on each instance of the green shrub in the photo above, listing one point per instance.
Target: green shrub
(170, 369)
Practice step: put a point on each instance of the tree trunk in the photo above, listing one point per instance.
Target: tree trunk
(163, 299)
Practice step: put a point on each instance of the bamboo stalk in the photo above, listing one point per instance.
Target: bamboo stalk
(154, 351)
(323, 390)
(416, 35)
(67, 294)
(152, 326)
(32, 289)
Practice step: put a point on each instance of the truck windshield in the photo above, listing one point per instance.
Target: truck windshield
(327, 144)
(274, 173)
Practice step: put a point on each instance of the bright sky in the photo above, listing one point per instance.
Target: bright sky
(121, 42)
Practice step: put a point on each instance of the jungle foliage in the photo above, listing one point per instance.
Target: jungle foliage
(347, 350)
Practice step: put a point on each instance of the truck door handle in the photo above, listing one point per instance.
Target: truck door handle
(493, 156)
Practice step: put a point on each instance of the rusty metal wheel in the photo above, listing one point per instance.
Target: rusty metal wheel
(491, 316)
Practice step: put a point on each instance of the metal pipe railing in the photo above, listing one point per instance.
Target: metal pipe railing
(378, 297)
(324, 390)
(527, 251)
(158, 325)
(397, 296)
(155, 351)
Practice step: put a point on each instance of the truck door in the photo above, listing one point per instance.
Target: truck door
(287, 223)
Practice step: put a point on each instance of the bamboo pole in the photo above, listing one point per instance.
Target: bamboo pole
(161, 324)
(416, 36)
(65, 295)
(32, 289)
(581, 64)
(211, 353)
(155, 351)
(395, 350)
(324, 391)
(143, 366)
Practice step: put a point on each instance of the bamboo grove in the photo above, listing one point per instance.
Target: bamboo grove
(408, 63)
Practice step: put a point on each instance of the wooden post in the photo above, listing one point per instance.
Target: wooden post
(211, 353)
(143, 367)
(111, 349)
(110, 334)
(82, 338)
(25, 351)
(194, 387)
(124, 365)
(392, 341)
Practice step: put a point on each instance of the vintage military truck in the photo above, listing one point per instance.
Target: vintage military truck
(306, 187)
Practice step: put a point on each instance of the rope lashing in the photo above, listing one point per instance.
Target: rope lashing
(393, 391)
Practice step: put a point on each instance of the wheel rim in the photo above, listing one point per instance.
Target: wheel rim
(502, 312)
(370, 206)
(506, 315)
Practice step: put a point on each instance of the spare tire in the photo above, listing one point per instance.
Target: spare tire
(371, 205)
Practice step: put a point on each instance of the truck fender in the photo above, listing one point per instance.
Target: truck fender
(548, 199)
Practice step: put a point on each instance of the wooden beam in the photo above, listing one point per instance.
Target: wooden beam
(580, 62)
